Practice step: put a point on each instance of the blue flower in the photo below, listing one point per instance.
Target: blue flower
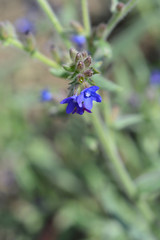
(23, 25)
(155, 77)
(73, 106)
(87, 96)
(46, 96)
(79, 40)
(83, 102)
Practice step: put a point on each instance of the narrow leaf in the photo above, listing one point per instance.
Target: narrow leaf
(105, 84)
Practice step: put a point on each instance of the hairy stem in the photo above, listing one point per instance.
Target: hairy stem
(117, 17)
(36, 54)
(86, 17)
(51, 15)
(110, 151)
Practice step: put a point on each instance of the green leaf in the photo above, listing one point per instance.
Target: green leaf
(149, 182)
(59, 73)
(70, 68)
(127, 121)
(105, 84)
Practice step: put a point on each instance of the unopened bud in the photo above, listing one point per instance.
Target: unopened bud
(120, 6)
(3, 32)
(84, 54)
(78, 57)
(100, 30)
(7, 30)
(80, 66)
(88, 61)
(80, 78)
(55, 53)
(29, 44)
(88, 73)
(77, 26)
(72, 53)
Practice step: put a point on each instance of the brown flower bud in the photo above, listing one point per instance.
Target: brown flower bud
(84, 54)
(72, 53)
(80, 66)
(120, 6)
(88, 73)
(88, 61)
(78, 57)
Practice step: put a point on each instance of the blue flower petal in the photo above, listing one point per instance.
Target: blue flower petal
(96, 97)
(88, 104)
(80, 110)
(80, 40)
(71, 106)
(80, 99)
(23, 25)
(66, 100)
(46, 95)
(155, 77)
(93, 88)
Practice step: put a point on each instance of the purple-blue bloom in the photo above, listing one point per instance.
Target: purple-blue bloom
(79, 40)
(155, 77)
(46, 95)
(87, 96)
(73, 106)
(23, 25)
(83, 102)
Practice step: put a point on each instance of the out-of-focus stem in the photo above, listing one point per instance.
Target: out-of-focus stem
(51, 15)
(53, 18)
(36, 54)
(86, 17)
(109, 148)
(117, 17)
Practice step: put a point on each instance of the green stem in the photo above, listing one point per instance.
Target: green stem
(86, 17)
(117, 17)
(110, 151)
(51, 15)
(36, 54)
(107, 142)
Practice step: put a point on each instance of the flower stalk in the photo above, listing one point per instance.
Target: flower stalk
(35, 54)
(109, 148)
(51, 15)
(86, 18)
(117, 17)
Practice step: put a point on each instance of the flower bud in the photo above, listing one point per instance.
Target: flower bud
(77, 26)
(55, 53)
(80, 78)
(100, 30)
(7, 30)
(80, 66)
(29, 43)
(88, 73)
(120, 6)
(72, 53)
(78, 57)
(88, 61)
(3, 32)
(84, 54)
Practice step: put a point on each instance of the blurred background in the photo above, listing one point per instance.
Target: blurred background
(55, 180)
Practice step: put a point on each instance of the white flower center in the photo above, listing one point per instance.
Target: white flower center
(87, 94)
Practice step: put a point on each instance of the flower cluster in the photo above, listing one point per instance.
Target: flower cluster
(82, 90)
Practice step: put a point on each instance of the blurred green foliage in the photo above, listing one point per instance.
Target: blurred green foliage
(56, 182)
